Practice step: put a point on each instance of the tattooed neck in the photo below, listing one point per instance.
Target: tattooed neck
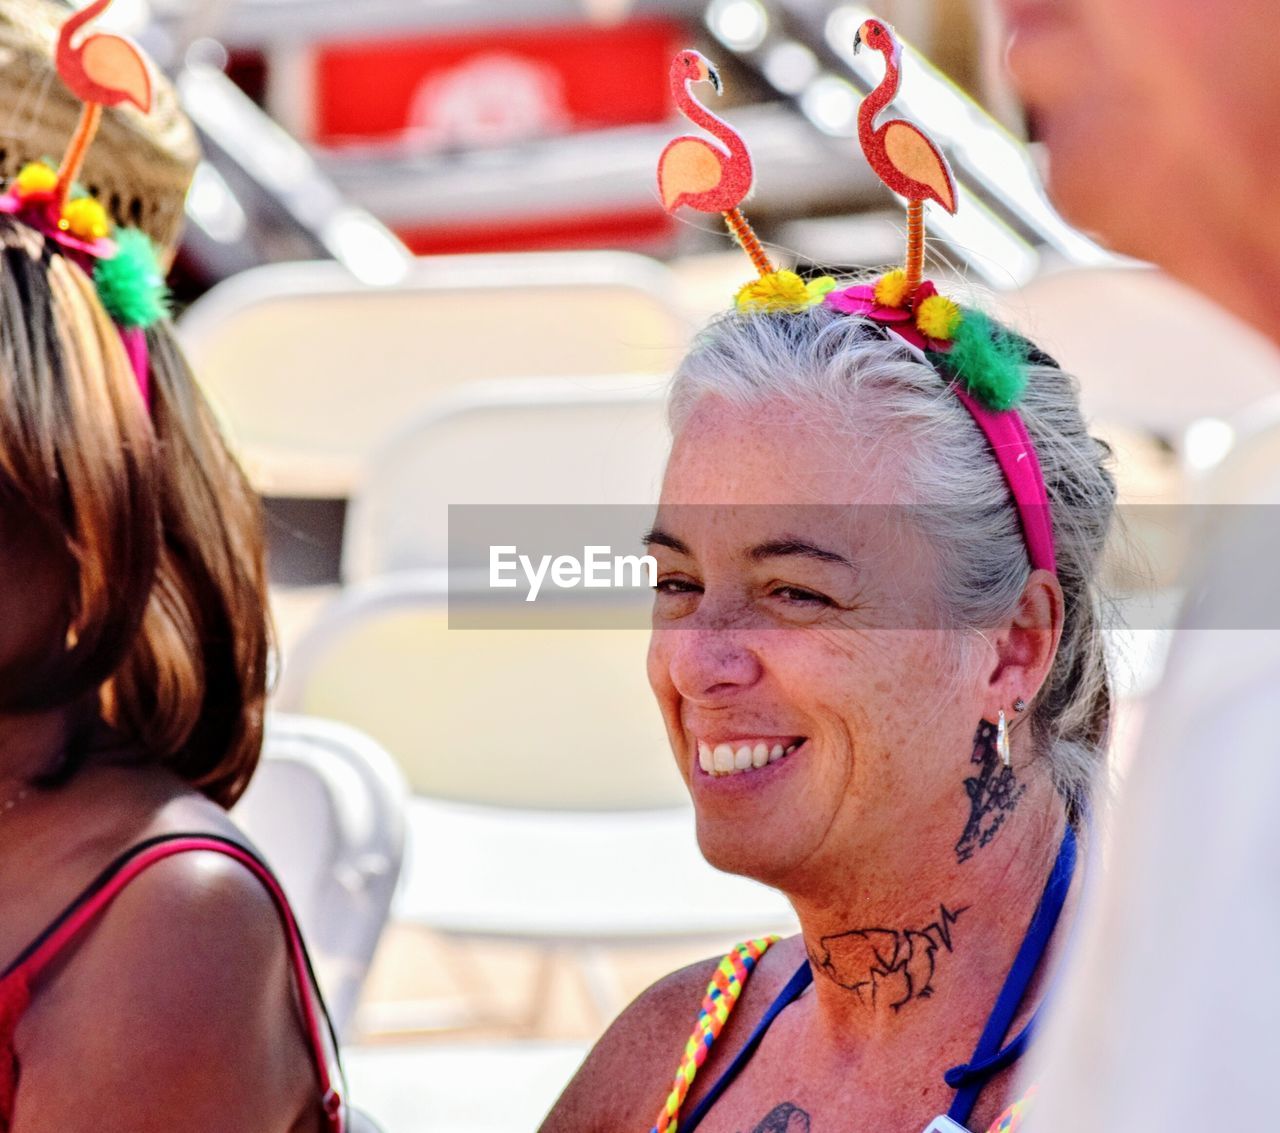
(994, 793)
(885, 965)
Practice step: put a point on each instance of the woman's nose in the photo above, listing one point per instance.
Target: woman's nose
(708, 664)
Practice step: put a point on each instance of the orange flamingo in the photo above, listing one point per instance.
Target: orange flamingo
(102, 70)
(694, 172)
(903, 156)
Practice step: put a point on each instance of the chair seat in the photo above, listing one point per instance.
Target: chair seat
(574, 877)
(475, 1088)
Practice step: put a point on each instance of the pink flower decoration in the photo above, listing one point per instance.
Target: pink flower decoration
(861, 300)
(36, 209)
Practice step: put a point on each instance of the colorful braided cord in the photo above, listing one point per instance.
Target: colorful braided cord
(1011, 1120)
(719, 1001)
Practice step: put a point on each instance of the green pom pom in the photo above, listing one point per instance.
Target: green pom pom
(988, 361)
(131, 284)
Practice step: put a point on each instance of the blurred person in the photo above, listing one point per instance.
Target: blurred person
(849, 607)
(153, 978)
(1160, 118)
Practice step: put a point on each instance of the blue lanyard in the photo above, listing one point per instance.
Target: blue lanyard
(989, 1058)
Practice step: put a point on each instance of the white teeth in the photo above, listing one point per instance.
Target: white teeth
(704, 758)
(722, 758)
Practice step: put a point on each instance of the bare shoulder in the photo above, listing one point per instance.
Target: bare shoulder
(628, 1074)
(625, 1077)
(184, 981)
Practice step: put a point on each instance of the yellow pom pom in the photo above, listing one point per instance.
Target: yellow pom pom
(86, 218)
(891, 289)
(782, 291)
(938, 317)
(35, 177)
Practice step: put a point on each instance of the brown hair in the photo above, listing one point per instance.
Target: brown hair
(167, 614)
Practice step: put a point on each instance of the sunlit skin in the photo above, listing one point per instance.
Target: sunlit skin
(1160, 117)
(753, 637)
(187, 969)
(833, 643)
(785, 611)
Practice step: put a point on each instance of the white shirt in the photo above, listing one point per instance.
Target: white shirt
(1169, 1018)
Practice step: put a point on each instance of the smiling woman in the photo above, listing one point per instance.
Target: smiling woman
(881, 709)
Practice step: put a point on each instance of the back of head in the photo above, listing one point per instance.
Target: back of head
(151, 529)
(867, 386)
(140, 165)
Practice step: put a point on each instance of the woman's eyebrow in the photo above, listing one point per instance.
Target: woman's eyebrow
(656, 537)
(779, 548)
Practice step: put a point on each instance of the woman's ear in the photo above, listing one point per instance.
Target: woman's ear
(1025, 648)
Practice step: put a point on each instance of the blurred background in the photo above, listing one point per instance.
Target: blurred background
(425, 264)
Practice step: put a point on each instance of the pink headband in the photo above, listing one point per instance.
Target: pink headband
(986, 366)
(966, 349)
(1016, 455)
(101, 71)
(134, 305)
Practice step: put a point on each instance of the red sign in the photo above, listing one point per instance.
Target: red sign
(493, 87)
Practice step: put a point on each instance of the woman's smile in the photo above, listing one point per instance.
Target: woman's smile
(733, 755)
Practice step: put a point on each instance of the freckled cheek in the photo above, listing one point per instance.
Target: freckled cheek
(828, 680)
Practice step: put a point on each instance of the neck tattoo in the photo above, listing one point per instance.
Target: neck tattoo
(894, 965)
(994, 793)
(786, 1117)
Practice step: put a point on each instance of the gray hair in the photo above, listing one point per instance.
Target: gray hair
(846, 370)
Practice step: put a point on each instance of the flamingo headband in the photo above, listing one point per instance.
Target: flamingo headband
(101, 70)
(983, 363)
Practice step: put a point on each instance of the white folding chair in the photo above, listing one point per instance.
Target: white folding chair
(547, 808)
(1150, 352)
(327, 809)
(575, 441)
(309, 368)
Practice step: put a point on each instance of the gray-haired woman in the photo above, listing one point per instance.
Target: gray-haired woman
(882, 709)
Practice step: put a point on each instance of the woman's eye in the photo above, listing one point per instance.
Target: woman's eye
(801, 596)
(676, 586)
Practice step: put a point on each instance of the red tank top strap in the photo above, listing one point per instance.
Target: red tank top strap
(26, 969)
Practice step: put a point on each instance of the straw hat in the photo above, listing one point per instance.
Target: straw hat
(139, 166)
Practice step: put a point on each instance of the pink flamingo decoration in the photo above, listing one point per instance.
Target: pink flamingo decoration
(903, 156)
(102, 70)
(694, 172)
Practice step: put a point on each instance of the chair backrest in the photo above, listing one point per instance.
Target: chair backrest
(309, 368)
(1249, 472)
(511, 443)
(1150, 352)
(534, 717)
(326, 808)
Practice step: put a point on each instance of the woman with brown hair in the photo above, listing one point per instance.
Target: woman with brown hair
(133, 646)
(153, 978)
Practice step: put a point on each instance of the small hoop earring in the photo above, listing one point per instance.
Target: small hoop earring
(1002, 740)
(1019, 705)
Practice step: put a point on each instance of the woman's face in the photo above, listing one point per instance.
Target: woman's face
(35, 582)
(1189, 85)
(794, 624)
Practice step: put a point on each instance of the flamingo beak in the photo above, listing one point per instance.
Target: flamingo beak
(857, 42)
(713, 77)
